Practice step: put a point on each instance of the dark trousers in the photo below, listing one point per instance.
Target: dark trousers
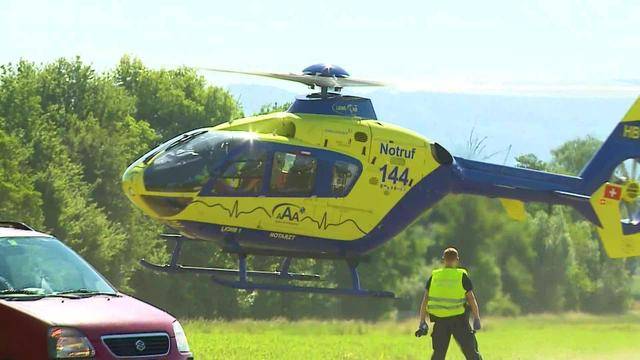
(459, 327)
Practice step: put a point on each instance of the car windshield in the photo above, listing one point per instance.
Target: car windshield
(44, 266)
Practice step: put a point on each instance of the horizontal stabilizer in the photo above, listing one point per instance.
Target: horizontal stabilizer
(515, 209)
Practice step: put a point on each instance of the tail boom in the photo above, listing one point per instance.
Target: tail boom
(606, 193)
(520, 184)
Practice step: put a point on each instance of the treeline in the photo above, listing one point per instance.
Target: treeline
(67, 133)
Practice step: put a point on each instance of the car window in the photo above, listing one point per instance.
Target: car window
(244, 175)
(46, 265)
(292, 174)
(343, 176)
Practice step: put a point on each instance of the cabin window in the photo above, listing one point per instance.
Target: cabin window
(344, 174)
(292, 174)
(244, 175)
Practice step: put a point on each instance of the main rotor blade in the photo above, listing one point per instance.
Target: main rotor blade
(357, 82)
(310, 80)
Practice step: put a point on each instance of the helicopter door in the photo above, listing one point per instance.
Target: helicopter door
(293, 178)
(243, 175)
(349, 137)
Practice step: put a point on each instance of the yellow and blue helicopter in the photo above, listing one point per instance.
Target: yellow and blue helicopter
(327, 180)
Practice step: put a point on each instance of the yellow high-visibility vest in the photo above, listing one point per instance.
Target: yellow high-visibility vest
(447, 296)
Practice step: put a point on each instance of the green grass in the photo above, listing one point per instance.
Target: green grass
(569, 336)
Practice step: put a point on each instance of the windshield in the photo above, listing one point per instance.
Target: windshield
(186, 164)
(44, 266)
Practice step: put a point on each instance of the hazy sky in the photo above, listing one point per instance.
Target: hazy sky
(543, 47)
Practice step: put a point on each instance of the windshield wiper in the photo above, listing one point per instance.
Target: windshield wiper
(35, 294)
(30, 294)
(86, 293)
(20, 292)
(184, 138)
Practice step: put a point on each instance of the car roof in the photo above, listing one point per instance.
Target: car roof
(11, 232)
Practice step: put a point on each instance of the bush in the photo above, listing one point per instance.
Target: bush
(501, 305)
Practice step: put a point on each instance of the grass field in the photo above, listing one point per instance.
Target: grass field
(569, 336)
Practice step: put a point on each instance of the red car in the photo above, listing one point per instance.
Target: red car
(54, 305)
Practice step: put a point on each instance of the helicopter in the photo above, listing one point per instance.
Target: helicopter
(327, 180)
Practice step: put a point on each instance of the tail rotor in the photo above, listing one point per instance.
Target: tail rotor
(627, 175)
(612, 177)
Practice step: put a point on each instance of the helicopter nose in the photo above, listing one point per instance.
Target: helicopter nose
(132, 183)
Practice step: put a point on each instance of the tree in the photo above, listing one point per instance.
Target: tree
(530, 161)
(174, 101)
(19, 200)
(551, 244)
(573, 155)
(273, 107)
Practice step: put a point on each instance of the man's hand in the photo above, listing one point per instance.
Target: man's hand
(476, 324)
(423, 329)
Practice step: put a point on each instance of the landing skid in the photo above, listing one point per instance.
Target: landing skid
(221, 276)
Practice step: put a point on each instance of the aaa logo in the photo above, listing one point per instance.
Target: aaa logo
(288, 212)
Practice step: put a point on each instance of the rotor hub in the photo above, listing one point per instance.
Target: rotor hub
(627, 175)
(326, 70)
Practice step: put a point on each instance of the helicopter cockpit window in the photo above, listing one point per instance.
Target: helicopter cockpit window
(244, 175)
(344, 174)
(185, 165)
(292, 174)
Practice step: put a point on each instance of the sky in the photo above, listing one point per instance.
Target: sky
(533, 47)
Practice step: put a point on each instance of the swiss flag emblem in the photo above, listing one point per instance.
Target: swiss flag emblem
(613, 192)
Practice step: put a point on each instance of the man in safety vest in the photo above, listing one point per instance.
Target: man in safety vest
(447, 292)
